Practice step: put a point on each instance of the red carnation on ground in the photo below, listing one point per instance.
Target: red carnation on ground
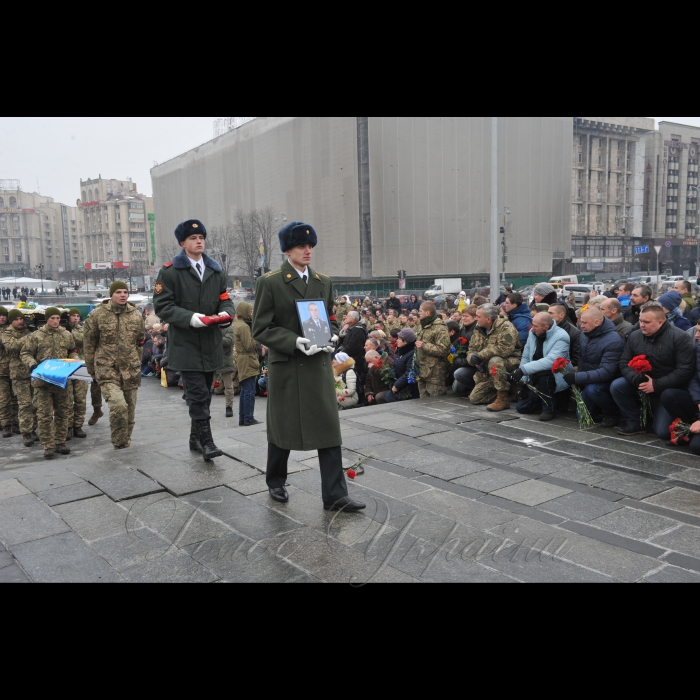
(352, 474)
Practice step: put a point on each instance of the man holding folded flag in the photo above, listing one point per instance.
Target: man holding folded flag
(191, 295)
(54, 410)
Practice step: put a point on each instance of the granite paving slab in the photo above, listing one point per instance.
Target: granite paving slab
(13, 574)
(69, 494)
(236, 559)
(26, 518)
(181, 479)
(452, 469)
(545, 464)
(243, 515)
(632, 448)
(174, 567)
(121, 487)
(531, 493)
(678, 499)
(490, 480)
(635, 524)
(390, 484)
(672, 574)
(64, 558)
(682, 458)
(388, 450)
(689, 476)
(586, 474)
(94, 519)
(250, 487)
(631, 485)
(43, 478)
(11, 489)
(581, 507)
(685, 539)
(132, 548)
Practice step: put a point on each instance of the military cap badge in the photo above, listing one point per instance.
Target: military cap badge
(195, 225)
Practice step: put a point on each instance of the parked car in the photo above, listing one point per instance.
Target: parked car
(580, 291)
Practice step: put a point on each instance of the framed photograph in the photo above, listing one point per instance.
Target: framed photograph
(315, 324)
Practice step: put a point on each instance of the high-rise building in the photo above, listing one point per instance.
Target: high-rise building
(118, 228)
(35, 230)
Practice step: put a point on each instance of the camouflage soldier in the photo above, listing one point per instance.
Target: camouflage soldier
(433, 348)
(112, 338)
(8, 401)
(96, 400)
(343, 309)
(13, 339)
(53, 406)
(78, 390)
(495, 344)
(392, 323)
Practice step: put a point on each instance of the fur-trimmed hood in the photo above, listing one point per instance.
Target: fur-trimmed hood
(340, 370)
(182, 262)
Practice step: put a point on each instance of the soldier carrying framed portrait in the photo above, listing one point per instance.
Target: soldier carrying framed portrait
(315, 324)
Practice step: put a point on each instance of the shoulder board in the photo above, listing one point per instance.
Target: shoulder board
(324, 276)
(167, 265)
(272, 274)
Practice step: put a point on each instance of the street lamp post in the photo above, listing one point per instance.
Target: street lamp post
(40, 267)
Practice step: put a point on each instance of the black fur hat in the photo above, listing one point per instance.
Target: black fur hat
(297, 233)
(189, 228)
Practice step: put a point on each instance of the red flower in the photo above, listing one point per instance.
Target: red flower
(494, 372)
(640, 365)
(352, 474)
(464, 341)
(560, 366)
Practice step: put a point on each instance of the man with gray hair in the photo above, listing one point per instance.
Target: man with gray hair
(494, 345)
(546, 344)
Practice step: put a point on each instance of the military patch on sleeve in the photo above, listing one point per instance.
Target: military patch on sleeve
(508, 338)
(158, 289)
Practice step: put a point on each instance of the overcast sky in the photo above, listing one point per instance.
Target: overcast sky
(57, 152)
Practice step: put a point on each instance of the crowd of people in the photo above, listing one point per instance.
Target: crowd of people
(497, 354)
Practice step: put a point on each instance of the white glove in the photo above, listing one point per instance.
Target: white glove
(328, 350)
(195, 321)
(310, 352)
(334, 339)
(225, 313)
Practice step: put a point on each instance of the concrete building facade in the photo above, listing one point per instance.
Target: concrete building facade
(35, 230)
(386, 193)
(117, 223)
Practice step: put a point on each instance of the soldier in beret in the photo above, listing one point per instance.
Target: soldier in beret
(300, 374)
(190, 288)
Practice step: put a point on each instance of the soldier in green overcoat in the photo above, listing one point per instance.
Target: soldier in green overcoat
(302, 411)
(192, 287)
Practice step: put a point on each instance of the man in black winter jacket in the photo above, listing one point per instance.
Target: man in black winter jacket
(560, 314)
(393, 304)
(640, 296)
(671, 353)
(353, 339)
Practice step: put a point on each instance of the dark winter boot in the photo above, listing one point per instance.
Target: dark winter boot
(97, 414)
(62, 450)
(209, 449)
(195, 445)
(28, 440)
(79, 433)
(69, 437)
(49, 454)
(16, 430)
(7, 431)
(229, 412)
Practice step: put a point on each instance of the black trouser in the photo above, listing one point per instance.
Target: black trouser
(464, 381)
(681, 405)
(546, 384)
(333, 482)
(199, 387)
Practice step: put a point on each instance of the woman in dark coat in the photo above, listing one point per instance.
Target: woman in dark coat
(544, 294)
(413, 305)
(403, 389)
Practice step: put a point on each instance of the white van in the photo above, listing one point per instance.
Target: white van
(567, 279)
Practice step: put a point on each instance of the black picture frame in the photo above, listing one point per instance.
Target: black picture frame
(321, 338)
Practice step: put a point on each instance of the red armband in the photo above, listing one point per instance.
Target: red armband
(333, 318)
(225, 297)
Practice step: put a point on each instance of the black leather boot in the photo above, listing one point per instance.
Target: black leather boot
(209, 449)
(195, 445)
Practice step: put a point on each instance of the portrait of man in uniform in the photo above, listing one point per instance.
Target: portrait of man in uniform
(315, 323)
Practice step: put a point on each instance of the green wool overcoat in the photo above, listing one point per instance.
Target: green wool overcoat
(302, 411)
(178, 294)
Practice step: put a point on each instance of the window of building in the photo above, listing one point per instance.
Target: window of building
(600, 177)
(619, 162)
(13, 203)
(580, 157)
(580, 194)
(600, 143)
(600, 160)
(580, 140)
(580, 174)
(2, 203)
(579, 209)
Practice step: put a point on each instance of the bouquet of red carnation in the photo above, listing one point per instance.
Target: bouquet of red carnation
(585, 420)
(680, 432)
(642, 366)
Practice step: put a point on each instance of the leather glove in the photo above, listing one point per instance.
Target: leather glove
(475, 360)
(517, 376)
(196, 322)
(302, 344)
(570, 378)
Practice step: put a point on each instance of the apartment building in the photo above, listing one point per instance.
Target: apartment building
(35, 230)
(117, 224)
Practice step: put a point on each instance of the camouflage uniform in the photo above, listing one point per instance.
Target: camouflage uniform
(341, 312)
(112, 339)
(502, 349)
(77, 390)
(394, 325)
(432, 357)
(8, 401)
(14, 340)
(53, 407)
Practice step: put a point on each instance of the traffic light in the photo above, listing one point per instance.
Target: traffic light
(258, 273)
(503, 230)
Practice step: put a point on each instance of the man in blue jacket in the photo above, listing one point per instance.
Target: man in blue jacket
(599, 365)
(686, 404)
(546, 344)
(519, 315)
